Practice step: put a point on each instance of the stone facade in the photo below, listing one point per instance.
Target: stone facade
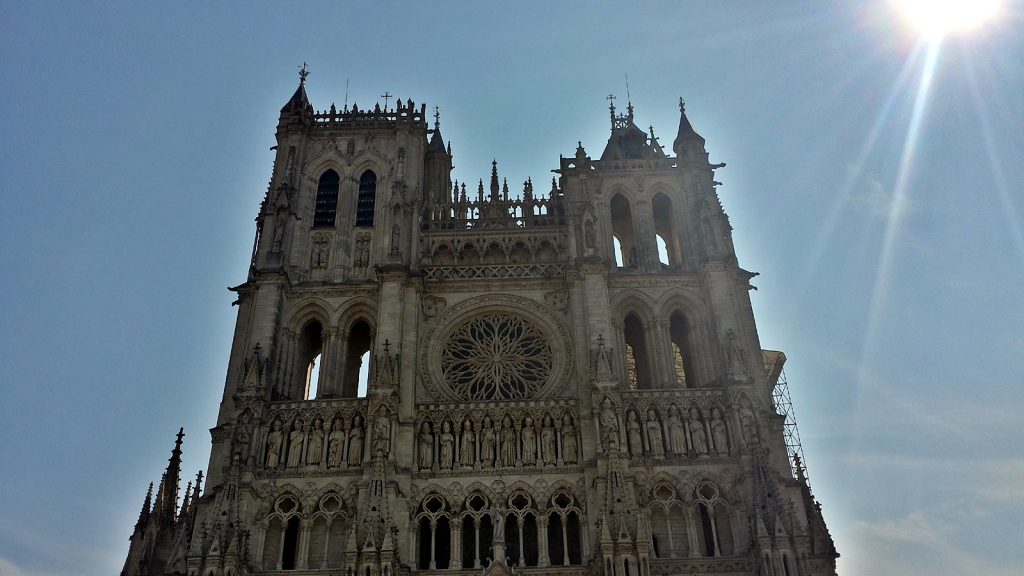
(429, 376)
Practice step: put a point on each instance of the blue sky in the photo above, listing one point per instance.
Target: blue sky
(873, 180)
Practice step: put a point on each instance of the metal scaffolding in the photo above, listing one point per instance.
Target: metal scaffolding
(774, 362)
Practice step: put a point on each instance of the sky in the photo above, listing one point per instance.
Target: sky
(873, 179)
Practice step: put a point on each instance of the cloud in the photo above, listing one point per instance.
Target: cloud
(8, 568)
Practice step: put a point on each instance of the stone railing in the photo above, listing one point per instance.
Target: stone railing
(493, 271)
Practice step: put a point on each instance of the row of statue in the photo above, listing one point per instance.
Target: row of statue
(512, 443)
(305, 445)
(675, 436)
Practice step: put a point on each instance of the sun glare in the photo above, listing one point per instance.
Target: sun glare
(937, 18)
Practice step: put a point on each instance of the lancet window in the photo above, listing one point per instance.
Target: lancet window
(477, 533)
(357, 360)
(366, 200)
(668, 243)
(622, 232)
(280, 543)
(326, 200)
(310, 349)
(682, 350)
(327, 534)
(564, 534)
(712, 522)
(521, 539)
(638, 375)
(669, 534)
(433, 534)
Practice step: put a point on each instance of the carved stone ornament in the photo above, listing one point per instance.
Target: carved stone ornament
(494, 347)
(433, 305)
(557, 299)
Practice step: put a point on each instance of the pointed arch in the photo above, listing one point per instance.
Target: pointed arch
(622, 231)
(665, 229)
(366, 199)
(326, 205)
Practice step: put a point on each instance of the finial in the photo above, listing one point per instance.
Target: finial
(181, 434)
(303, 74)
(437, 118)
(682, 104)
(611, 107)
(386, 96)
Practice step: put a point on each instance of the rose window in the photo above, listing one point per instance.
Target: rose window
(497, 356)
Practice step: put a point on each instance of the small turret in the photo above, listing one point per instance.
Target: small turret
(298, 108)
(688, 144)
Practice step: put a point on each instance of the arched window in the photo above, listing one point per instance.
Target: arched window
(668, 524)
(280, 544)
(713, 523)
(564, 536)
(327, 536)
(433, 534)
(310, 348)
(638, 373)
(326, 200)
(668, 243)
(366, 200)
(357, 361)
(682, 350)
(521, 541)
(477, 533)
(622, 230)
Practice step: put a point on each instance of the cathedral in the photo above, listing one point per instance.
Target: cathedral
(432, 376)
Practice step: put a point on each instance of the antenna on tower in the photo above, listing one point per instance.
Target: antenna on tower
(628, 99)
(346, 93)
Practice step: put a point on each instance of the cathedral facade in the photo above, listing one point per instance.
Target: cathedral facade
(430, 376)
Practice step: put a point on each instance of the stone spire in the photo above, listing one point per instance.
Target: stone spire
(687, 139)
(167, 496)
(494, 181)
(147, 506)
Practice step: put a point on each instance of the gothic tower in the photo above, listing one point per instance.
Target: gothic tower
(430, 376)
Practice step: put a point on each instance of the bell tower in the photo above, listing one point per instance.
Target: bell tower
(433, 376)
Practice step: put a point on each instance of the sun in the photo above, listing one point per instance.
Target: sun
(938, 18)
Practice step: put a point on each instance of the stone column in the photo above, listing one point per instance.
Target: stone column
(543, 554)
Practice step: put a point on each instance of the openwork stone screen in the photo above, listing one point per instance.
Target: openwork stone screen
(496, 356)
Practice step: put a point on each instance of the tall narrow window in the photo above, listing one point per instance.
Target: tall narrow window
(682, 355)
(622, 230)
(366, 200)
(705, 530)
(326, 200)
(638, 372)
(668, 241)
(357, 361)
(310, 348)
(291, 542)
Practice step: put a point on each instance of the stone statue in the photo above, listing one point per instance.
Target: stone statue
(275, 439)
(315, 445)
(426, 441)
(676, 432)
(382, 434)
(737, 366)
(529, 443)
(747, 422)
(588, 235)
(447, 446)
(487, 443)
(295, 441)
(335, 444)
(633, 436)
(569, 441)
(548, 447)
(719, 432)
(698, 436)
(355, 442)
(508, 443)
(654, 435)
(609, 425)
(467, 447)
(243, 434)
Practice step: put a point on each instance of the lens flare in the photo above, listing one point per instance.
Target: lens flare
(937, 18)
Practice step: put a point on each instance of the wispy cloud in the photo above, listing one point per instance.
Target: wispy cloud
(8, 568)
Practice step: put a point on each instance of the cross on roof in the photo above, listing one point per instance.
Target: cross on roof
(386, 96)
